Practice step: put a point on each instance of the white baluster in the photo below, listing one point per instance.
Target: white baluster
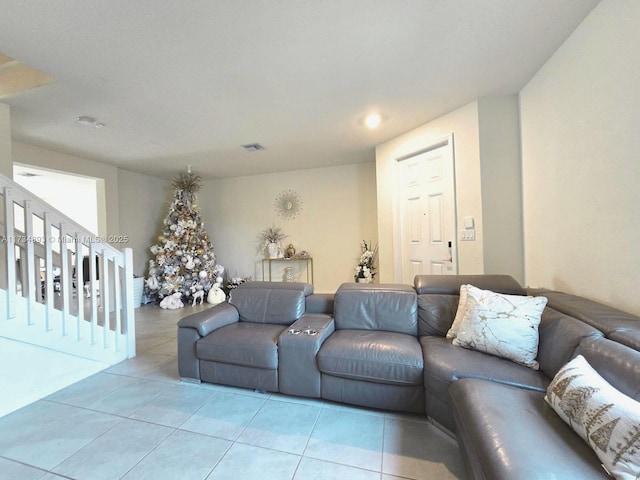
(48, 270)
(130, 320)
(65, 277)
(28, 262)
(117, 286)
(92, 289)
(104, 298)
(10, 233)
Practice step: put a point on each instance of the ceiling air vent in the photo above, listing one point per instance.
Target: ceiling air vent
(252, 147)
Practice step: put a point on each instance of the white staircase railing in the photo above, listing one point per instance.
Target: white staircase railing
(45, 261)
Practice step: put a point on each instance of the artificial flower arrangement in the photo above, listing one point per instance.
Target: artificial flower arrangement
(365, 270)
(271, 238)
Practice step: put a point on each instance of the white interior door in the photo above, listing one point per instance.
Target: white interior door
(427, 213)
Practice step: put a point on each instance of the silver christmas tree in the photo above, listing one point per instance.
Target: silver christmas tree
(184, 258)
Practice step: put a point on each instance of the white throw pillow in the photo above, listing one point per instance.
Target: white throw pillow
(460, 313)
(607, 419)
(502, 325)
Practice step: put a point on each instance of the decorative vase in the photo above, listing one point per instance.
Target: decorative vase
(273, 249)
(288, 275)
(138, 290)
(291, 251)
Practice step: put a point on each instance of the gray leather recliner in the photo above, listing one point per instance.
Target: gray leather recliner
(374, 358)
(236, 343)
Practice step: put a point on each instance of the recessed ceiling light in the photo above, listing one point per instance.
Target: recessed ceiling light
(372, 120)
(99, 125)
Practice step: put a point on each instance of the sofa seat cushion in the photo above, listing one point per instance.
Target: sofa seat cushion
(374, 356)
(507, 432)
(444, 363)
(243, 343)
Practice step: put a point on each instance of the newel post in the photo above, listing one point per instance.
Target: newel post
(129, 314)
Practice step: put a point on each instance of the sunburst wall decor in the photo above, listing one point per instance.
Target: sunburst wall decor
(288, 204)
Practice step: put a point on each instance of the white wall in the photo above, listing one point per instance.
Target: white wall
(62, 191)
(6, 163)
(464, 125)
(580, 117)
(144, 203)
(501, 177)
(106, 175)
(338, 212)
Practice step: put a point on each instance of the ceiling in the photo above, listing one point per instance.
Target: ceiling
(188, 83)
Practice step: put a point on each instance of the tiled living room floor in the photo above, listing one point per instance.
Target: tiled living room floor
(136, 420)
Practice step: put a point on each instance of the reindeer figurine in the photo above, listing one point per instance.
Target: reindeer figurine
(196, 295)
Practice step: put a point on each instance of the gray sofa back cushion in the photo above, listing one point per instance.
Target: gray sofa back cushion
(268, 305)
(560, 335)
(436, 313)
(617, 325)
(438, 297)
(306, 288)
(320, 303)
(618, 364)
(387, 307)
(450, 284)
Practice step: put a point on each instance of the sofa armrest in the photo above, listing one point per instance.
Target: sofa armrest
(211, 319)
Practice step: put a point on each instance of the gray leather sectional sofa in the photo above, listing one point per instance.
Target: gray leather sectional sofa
(385, 346)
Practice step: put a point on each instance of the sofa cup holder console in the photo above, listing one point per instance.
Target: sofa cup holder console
(305, 331)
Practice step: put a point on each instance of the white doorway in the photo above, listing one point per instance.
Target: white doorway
(426, 212)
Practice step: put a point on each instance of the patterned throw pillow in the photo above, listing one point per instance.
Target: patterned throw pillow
(502, 325)
(607, 419)
(460, 313)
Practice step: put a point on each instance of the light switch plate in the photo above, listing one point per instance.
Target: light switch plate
(468, 235)
(469, 223)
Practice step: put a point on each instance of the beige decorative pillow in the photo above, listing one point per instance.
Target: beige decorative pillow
(460, 313)
(502, 325)
(607, 419)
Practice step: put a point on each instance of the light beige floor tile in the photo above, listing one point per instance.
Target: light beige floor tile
(173, 406)
(245, 462)
(347, 437)
(114, 453)
(419, 451)
(182, 455)
(312, 469)
(281, 426)
(225, 415)
(130, 398)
